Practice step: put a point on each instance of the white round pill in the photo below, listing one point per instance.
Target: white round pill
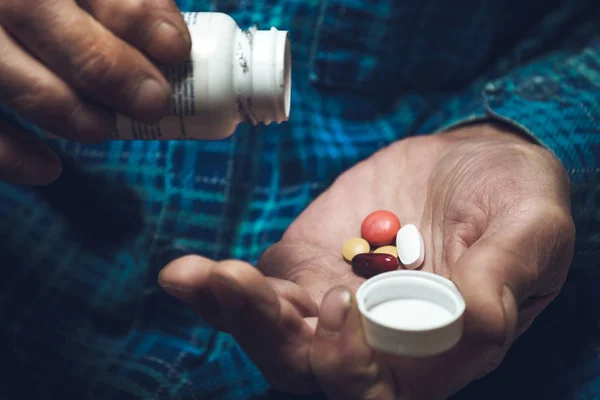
(411, 249)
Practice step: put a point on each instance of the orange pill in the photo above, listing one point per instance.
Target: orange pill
(380, 228)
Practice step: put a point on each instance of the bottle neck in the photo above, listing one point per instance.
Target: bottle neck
(263, 75)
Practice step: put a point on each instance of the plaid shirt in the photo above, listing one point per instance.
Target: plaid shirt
(81, 315)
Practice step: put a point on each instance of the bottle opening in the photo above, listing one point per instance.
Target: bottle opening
(271, 76)
(410, 300)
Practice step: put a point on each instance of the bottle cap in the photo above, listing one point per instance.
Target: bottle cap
(411, 313)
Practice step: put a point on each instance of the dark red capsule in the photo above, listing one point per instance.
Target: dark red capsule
(371, 264)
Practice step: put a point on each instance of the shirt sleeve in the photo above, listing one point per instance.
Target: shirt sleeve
(554, 97)
(549, 91)
(556, 101)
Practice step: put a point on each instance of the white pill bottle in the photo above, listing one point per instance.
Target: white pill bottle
(231, 76)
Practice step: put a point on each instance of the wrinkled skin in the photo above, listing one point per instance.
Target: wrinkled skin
(494, 213)
(68, 66)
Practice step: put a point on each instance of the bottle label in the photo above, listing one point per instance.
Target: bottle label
(181, 77)
(183, 103)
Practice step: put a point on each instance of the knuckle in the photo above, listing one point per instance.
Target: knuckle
(232, 266)
(233, 271)
(94, 67)
(560, 219)
(40, 94)
(561, 176)
(563, 240)
(22, 15)
(556, 242)
(522, 148)
(133, 8)
(566, 224)
(28, 102)
(517, 155)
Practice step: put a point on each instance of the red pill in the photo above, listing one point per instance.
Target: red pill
(380, 228)
(371, 264)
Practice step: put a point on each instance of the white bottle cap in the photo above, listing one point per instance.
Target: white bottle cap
(411, 313)
(271, 76)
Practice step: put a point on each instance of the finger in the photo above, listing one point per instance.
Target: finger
(192, 278)
(38, 95)
(269, 329)
(24, 160)
(345, 366)
(154, 26)
(90, 58)
(297, 296)
(186, 279)
(512, 263)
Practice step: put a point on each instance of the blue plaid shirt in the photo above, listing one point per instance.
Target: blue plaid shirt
(81, 315)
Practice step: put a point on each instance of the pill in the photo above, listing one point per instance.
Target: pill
(411, 249)
(380, 227)
(355, 246)
(391, 250)
(371, 264)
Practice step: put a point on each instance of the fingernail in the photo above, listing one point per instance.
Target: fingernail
(167, 41)
(334, 310)
(151, 100)
(510, 313)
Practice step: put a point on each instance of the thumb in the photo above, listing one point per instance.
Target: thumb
(488, 278)
(515, 265)
(342, 362)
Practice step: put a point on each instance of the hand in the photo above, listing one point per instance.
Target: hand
(494, 212)
(67, 65)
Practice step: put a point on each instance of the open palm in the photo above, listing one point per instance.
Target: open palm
(494, 214)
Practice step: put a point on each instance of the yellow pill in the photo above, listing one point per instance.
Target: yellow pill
(355, 246)
(391, 250)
